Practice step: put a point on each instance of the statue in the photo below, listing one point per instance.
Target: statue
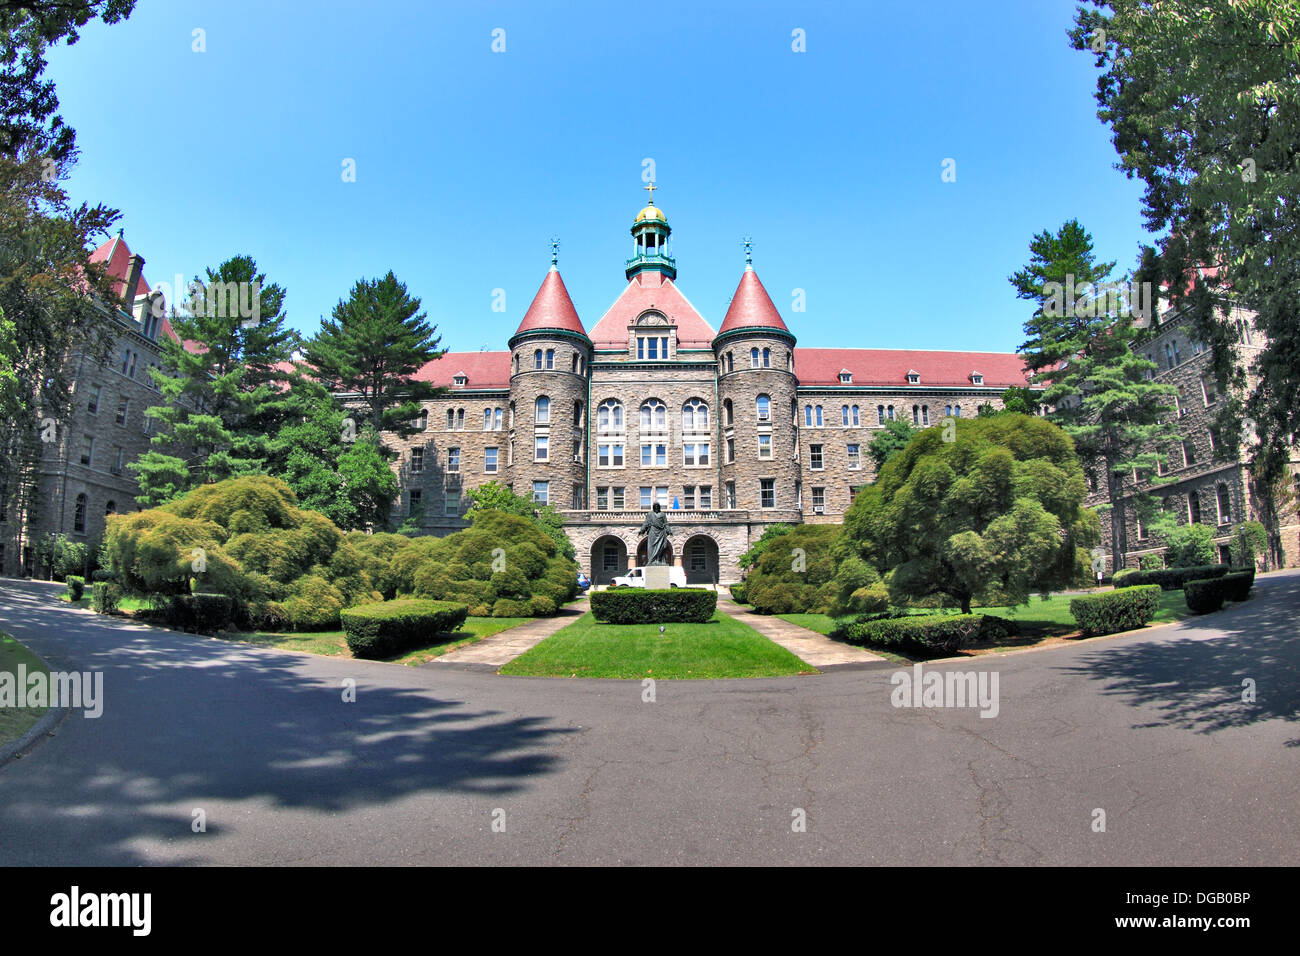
(656, 529)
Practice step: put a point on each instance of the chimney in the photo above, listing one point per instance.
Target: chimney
(134, 267)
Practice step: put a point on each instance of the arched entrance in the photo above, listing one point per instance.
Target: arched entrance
(700, 560)
(608, 559)
(640, 553)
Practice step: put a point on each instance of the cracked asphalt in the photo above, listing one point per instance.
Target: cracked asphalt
(1150, 728)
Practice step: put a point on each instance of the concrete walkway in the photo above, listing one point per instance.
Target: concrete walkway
(503, 647)
(809, 646)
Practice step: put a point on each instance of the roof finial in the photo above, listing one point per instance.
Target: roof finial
(651, 187)
(749, 252)
(555, 251)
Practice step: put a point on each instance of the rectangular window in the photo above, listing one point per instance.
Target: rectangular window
(696, 453)
(609, 558)
(730, 492)
(417, 460)
(616, 499)
(647, 497)
(661, 495)
(706, 496)
(819, 498)
(490, 460)
(413, 501)
(541, 492)
(688, 497)
(731, 449)
(541, 449)
(699, 558)
(92, 403)
(119, 459)
(764, 446)
(610, 456)
(854, 455)
(767, 492)
(453, 460)
(1189, 454)
(602, 498)
(577, 497)
(815, 451)
(451, 502)
(1209, 391)
(88, 449)
(654, 455)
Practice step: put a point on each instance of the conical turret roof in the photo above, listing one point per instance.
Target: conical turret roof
(751, 307)
(552, 308)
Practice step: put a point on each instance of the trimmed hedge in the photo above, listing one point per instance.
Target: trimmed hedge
(944, 633)
(1171, 579)
(200, 612)
(381, 630)
(1239, 584)
(76, 586)
(645, 606)
(103, 574)
(1205, 595)
(994, 628)
(738, 592)
(105, 597)
(1122, 610)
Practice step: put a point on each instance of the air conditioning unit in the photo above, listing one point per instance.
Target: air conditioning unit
(577, 458)
(819, 510)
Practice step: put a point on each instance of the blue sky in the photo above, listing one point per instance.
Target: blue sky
(468, 160)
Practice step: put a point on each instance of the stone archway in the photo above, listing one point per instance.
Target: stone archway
(608, 559)
(700, 559)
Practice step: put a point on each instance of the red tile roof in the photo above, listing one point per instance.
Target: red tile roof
(482, 369)
(889, 367)
(751, 306)
(552, 308)
(648, 290)
(114, 254)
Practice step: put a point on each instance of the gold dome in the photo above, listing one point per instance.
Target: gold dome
(651, 212)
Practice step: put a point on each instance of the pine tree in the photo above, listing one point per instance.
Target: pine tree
(228, 393)
(1081, 350)
(373, 345)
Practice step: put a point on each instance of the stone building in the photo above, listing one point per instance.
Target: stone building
(82, 474)
(1199, 483)
(730, 429)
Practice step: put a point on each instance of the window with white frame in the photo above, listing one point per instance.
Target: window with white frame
(819, 499)
(815, 453)
(541, 492)
(609, 415)
(609, 456)
(764, 408)
(490, 460)
(651, 347)
(695, 416)
(417, 460)
(453, 460)
(543, 406)
(654, 455)
(696, 453)
(764, 446)
(767, 492)
(541, 448)
(854, 455)
(654, 414)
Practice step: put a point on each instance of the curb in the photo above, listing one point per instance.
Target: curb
(39, 731)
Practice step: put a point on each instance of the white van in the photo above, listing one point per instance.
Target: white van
(635, 578)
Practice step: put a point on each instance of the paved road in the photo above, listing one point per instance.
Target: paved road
(1149, 728)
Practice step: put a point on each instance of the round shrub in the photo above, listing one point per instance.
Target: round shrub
(541, 606)
(314, 605)
(76, 587)
(1206, 595)
(507, 607)
(381, 630)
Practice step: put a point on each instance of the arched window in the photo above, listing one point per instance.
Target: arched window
(654, 414)
(889, 412)
(819, 416)
(695, 415)
(609, 414)
(487, 419)
(516, 363)
(855, 415)
(451, 419)
(543, 410)
(728, 418)
(807, 415)
(1225, 504)
(916, 414)
(764, 405)
(460, 418)
(577, 415)
(79, 516)
(767, 358)
(537, 359)
(731, 361)
(1193, 507)
(844, 414)
(925, 414)
(880, 414)
(753, 358)
(110, 508)
(550, 358)
(424, 420)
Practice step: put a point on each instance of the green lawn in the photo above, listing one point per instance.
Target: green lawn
(722, 647)
(15, 721)
(333, 643)
(1039, 620)
(126, 604)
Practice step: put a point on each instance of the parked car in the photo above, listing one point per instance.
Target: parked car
(584, 582)
(635, 578)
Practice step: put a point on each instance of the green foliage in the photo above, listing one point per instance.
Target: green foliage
(373, 345)
(794, 571)
(1201, 99)
(738, 593)
(495, 496)
(1115, 611)
(649, 606)
(857, 588)
(61, 556)
(1170, 579)
(1189, 546)
(1000, 506)
(940, 634)
(1249, 541)
(770, 534)
(1121, 577)
(381, 630)
(1205, 595)
(1239, 584)
(315, 604)
(105, 596)
(889, 442)
(76, 587)
(1151, 562)
(205, 613)
(500, 557)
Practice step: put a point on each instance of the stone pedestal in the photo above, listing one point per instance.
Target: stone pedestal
(658, 577)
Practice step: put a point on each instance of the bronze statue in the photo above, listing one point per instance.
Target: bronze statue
(656, 529)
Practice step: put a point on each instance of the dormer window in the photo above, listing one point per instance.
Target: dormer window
(459, 379)
(976, 378)
(846, 377)
(913, 377)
